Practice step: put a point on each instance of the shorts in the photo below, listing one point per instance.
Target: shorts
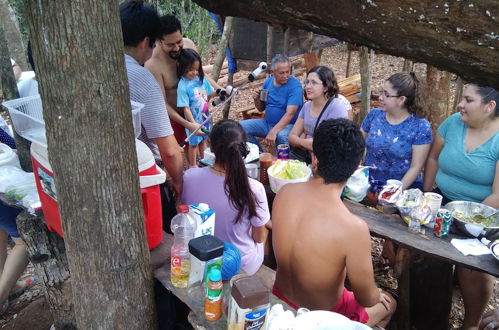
(347, 305)
(178, 131)
(8, 220)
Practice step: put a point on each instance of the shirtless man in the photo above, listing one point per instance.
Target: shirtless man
(318, 242)
(163, 65)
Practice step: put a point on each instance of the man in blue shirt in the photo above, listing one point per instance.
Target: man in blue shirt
(284, 99)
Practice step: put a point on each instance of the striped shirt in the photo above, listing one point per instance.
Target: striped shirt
(145, 89)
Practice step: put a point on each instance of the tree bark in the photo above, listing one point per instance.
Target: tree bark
(13, 34)
(222, 47)
(458, 96)
(270, 50)
(408, 65)
(438, 83)
(80, 65)
(349, 63)
(230, 81)
(9, 91)
(456, 36)
(366, 62)
(48, 255)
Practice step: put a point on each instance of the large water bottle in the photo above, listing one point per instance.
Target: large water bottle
(183, 227)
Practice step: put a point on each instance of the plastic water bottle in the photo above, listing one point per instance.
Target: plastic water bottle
(183, 227)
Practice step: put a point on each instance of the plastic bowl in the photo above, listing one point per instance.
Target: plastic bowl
(276, 184)
(494, 249)
(468, 209)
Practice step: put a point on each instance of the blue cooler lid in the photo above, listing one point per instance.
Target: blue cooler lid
(206, 247)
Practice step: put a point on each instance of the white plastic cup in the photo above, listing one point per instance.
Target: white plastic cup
(252, 170)
(434, 201)
(393, 182)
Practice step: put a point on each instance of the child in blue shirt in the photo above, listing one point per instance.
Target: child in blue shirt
(193, 92)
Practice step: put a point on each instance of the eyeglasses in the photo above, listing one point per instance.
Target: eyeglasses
(385, 94)
(311, 83)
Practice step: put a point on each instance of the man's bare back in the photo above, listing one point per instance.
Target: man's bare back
(317, 242)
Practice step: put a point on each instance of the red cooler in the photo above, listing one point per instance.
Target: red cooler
(150, 178)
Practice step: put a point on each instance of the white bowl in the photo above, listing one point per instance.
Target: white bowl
(321, 320)
(276, 184)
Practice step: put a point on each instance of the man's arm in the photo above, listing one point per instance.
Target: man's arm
(359, 266)
(171, 155)
(285, 120)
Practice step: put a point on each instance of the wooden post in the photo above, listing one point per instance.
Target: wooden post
(458, 96)
(286, 40)
(349, 59)
(311, 60)
(230, 81)
(366, 62)
(408, 65)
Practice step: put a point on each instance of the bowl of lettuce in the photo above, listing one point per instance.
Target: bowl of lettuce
(285, 171)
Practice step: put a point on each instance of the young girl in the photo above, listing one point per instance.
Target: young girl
(193, 92)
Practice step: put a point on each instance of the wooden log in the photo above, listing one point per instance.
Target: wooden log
(48, 255)
(350, 80)
(208, 68)
(311, 60)
(349, 90)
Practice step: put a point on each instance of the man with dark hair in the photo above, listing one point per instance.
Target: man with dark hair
(140, 25)
(318, 242)
(163, 65)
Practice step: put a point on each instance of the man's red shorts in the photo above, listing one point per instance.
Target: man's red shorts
(178, 131)
(347, 305)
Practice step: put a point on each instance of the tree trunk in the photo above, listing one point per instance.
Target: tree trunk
(438, 83)
(80, 64)
(456, 36)
(286, 40)
(222, 47)
(9, 92)
(349, 63)
(230, 81)
(48, 255)
(270, 50)
(366, 63)
(12, 34)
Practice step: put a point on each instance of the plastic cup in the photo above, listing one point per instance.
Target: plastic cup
(252, 170)
(434, 201)
(393, 182)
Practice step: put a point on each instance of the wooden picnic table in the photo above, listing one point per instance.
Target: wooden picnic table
(194, 297)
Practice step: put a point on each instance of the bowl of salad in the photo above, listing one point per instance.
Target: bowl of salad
(285, 171)
(474, 219)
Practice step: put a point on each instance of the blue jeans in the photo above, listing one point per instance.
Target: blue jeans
(260, 127)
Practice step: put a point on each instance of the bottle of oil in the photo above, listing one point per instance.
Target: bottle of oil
(183, 227)
(213, 299)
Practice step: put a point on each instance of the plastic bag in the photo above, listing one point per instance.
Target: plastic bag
(357, 184)
(14, 176)
(411, 200)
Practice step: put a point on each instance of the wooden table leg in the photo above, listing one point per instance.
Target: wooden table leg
(404, 303)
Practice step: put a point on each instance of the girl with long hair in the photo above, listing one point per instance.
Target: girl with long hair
(240, 203)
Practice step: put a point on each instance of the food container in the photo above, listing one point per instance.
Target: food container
(469, 219)
(494, 249)
(277, 183)
(206, 254)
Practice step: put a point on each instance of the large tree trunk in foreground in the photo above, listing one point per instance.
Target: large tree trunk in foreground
(80, 65)
(456, 36)
(9, 91)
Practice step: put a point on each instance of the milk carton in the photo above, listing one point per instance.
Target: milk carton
(205, 219)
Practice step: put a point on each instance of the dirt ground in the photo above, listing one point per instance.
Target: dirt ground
(30, 311)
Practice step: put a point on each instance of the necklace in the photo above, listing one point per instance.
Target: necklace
(221, 172)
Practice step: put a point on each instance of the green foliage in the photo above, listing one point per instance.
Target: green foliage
(196, 21)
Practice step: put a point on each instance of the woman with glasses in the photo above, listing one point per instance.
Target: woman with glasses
(321, 91)
(240, 203)
(464, 164)
(398, 136)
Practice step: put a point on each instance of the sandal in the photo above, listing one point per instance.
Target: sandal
(28, 283)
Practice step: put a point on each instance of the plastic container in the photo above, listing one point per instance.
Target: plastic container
(27, 116)
(8, 157)
(249, 304)
(206, 255)
(213, 301)
(183, 226)
(276, 184)
(150, 178)
(265, 162)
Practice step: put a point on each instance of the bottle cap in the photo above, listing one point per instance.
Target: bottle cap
(215, 275)
(183, 209)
